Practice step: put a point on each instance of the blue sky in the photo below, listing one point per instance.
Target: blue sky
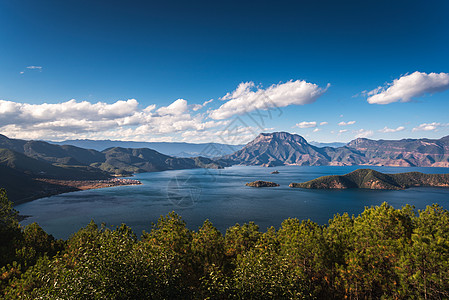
(142, 70)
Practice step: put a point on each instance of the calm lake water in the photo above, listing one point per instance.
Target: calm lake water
(222, 197)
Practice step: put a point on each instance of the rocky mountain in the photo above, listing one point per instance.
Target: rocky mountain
(370, 179)
(404, 153)
(282, 148)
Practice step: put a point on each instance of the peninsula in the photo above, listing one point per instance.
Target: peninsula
(370, 179)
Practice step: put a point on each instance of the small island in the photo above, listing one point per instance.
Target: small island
(260, 183)
(275, 172)
(370, 179)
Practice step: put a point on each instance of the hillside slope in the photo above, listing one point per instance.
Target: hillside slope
(116, 161)
(36, 168)
(370, 179)
(128, 160)
(22, 187)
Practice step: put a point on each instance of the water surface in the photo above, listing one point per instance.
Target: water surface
(222, 197)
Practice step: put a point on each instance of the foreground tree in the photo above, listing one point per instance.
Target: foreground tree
(384, 253)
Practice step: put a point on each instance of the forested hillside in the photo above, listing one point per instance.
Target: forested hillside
(371, 179)
(382, 253)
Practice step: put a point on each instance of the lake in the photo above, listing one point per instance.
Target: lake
(222, 197)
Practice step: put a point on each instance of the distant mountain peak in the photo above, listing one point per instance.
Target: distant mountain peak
(281, 135)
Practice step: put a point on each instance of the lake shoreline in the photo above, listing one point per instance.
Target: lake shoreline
(222, 197)
(60, 186)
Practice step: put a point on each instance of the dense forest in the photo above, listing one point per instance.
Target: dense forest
(382, 253)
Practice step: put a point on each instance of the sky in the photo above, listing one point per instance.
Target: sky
(223, 71)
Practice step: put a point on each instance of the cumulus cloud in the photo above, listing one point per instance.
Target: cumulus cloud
(428, 126)
(316, 130)
(247, 97)
(342, 131)
(323, 123)
(196, 107)
(176, 108)
(390, 130)
(409, 86)
(346, 123)
(121, 119)
(363, 133)
(305, 124)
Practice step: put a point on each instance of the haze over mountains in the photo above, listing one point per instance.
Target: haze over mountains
(167, 148)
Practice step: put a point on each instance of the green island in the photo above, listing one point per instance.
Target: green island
(382, 253)
(370, 179)
(261, 183)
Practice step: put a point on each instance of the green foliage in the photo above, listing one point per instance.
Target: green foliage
(240, 239)
(9, 230)
(371, 179)
(384, 253)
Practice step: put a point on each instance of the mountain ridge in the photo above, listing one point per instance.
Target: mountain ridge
(283, 148)
(179, 149)
(34, 169)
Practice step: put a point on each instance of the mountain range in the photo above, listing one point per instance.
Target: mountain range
(31, 161)
(23, 165)
(168, 148)
(282, 148)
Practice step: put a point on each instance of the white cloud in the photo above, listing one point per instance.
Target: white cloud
(247, 97)
(316, 130)
(323, 123)
(38, 68)
(196, 107)
(363, 133)
(176, 108)
(428, 126)
(305, 124)
(409, 86)
(121, 119)
(390, 130)
(346, 123)
(342, 131)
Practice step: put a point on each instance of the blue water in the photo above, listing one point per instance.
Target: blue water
(222, 197)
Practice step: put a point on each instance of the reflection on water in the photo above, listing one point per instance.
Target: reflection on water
(222, 197)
